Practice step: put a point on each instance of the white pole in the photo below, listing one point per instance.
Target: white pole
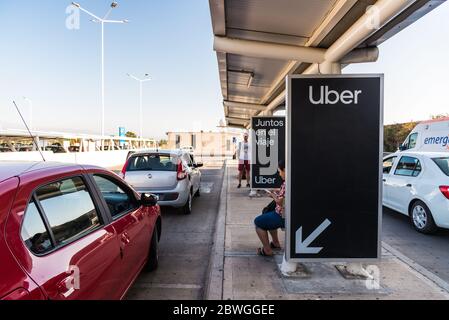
(141, 81)
(31, 114)
(140, 112)
(102, 85)
(102, 21)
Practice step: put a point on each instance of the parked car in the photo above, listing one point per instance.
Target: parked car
(72, 232)
(74, 149)
(25, 148)
(188, 149)
(110, 148)
(5, 149)
(55, 148)
(417, 184)
(173, 176)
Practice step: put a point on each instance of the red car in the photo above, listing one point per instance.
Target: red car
(72, 232)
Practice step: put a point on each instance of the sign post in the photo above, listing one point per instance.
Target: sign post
(268, 148)
(334, 160)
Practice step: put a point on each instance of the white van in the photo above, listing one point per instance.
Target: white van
(432, 136)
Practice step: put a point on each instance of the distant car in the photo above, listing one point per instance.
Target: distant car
(417, 184)
(55, 148)
(110, 148)
(173, 176)
(188, 149)
(72, 232)
(5, 149)
(25, 148)
(74, 149)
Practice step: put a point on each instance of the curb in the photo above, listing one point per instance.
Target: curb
(215, 274)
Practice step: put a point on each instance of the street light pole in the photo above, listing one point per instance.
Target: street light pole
(102, 85)
(141, 81)
(102, 21)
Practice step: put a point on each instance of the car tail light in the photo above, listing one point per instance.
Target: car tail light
(124, 169)
(445, 191)
(181, 173)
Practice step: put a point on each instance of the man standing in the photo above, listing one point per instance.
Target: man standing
(244, 154)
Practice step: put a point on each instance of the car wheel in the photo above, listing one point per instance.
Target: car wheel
(198, 193)
(422, 218)
(153, 256)
(187, 209)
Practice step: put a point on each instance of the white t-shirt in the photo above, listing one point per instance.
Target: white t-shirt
(244, 153)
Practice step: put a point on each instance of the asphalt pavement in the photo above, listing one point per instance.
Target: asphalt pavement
(185, 247)
(430, 251)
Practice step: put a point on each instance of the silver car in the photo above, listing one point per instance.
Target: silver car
(172, 175)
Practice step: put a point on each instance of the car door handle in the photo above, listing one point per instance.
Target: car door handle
(67, 286)
(408, 185)
(384, 180)
(125, 238)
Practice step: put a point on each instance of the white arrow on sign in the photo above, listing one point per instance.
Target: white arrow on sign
(303, 246)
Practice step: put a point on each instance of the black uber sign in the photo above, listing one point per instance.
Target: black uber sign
(334, 143)
(268, 148)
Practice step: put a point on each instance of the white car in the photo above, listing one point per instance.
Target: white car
(173, 176)
(417, 184)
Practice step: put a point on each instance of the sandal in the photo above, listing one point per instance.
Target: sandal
(274, 247)
(262, 253)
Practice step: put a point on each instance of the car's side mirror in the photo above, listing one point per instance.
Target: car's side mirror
(402, 147)
(148, 199)
(198, 165)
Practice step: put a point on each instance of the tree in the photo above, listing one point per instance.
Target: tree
(130, 134)
(395, 134)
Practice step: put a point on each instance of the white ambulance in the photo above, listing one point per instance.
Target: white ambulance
(431, 136)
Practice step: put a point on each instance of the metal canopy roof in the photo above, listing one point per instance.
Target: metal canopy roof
(252, 69)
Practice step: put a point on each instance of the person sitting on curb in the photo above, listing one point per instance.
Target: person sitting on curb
(271, 221)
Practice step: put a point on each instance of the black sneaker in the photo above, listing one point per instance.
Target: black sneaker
(239, 186)
(248, 185)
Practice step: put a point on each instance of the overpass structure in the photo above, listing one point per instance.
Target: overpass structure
(260, 42)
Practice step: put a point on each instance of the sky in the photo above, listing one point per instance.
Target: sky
(58, 68)
(415, 64)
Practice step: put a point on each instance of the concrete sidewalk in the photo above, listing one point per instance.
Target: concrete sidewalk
(237, 272)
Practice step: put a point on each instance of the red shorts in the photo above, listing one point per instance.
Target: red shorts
(244, 164)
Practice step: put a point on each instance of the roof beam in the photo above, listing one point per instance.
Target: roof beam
(239, 120)
(217, 12)
(361, 56)
(377, 16)
(261, 49)
(337, 12)
(382, 12)
(241, 105)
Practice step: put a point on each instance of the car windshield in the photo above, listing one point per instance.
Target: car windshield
(443, 164)
(152, 162)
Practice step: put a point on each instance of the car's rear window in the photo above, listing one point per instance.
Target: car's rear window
(443, 164)
(152, 162)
